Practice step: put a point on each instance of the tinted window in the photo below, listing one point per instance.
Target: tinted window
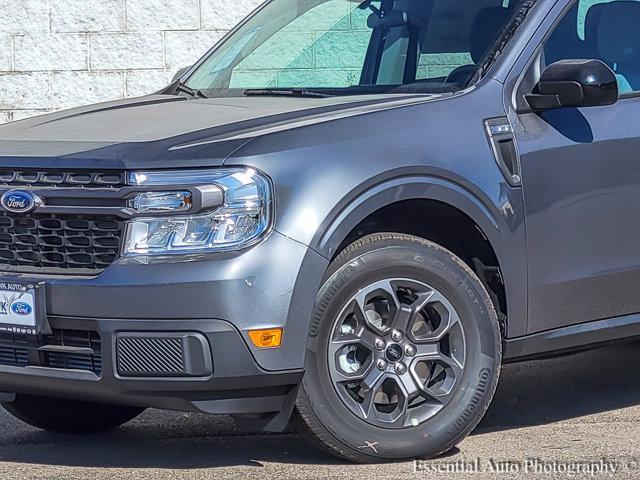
(458, 36)
(605, 30)
(351, 47)
(325, 47)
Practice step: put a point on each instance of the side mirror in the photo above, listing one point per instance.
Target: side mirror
(179, 74)
(574, 83)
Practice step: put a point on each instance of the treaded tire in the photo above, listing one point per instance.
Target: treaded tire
(69, 416)
(320, 412)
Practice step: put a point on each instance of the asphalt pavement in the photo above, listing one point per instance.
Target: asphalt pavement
(569, 417)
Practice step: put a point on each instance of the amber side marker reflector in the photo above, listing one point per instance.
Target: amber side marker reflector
(270, 338)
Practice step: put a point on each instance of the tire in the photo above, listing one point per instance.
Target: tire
(337, 422)
(69, 416)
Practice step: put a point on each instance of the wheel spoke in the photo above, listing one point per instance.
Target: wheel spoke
(453, 364)
(439, 365)
(443, 395)
(406, 314)
(410, 385)
(368, 338)
(337, 344)
(409, 390)
(371, 379)
(358, 331)
(450, 320)
(367, 406)
(370, 385)
(440, 397)
(404, 317)
(405, 414)
(427, 350)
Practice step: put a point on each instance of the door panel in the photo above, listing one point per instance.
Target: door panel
(581, 183)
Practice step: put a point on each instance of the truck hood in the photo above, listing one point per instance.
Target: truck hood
(165, 130)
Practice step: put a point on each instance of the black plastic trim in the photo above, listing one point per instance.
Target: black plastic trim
(115, 202)
(504, 148)
(160, 355)
(574, 337)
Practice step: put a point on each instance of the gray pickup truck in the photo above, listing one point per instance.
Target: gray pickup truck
(346, 213)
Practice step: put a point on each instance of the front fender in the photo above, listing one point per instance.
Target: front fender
(329, 176)
(500, 220)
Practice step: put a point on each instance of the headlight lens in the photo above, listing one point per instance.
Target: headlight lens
(242, 219)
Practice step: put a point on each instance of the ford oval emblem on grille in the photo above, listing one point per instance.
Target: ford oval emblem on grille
(21, 308)
(19, 201)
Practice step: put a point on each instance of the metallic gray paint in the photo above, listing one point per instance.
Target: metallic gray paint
(580, 182)
(355, 166)
(335, 161)
(332, 164)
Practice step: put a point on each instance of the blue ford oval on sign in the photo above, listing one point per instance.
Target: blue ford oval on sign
(18, 201)
(21, 308)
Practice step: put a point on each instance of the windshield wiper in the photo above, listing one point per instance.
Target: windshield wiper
(182, 87)
(285, 92)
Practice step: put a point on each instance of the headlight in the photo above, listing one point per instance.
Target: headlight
(233, 210)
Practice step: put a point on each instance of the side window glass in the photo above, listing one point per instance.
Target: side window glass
(458, 36)
(603, 29)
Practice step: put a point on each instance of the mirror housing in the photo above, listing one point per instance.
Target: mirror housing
(180, 73)
(574, 83)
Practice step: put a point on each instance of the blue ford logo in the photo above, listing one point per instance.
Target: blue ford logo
(21, 308)
(18, 201)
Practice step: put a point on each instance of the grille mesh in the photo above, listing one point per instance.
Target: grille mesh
(59, 242)
(144, 356)
(73, 361)
(14, 351)
(13, 355)
(91, 362)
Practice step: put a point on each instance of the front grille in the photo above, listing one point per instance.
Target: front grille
(91, 362)
(64, 349)
(57, 178)
(13, 355)
(64, 242)
(72, 361)
(77, 230)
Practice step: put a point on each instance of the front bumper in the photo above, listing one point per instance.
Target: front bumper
(220, 297)
(236, 385)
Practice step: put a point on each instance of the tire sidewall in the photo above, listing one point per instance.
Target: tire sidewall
(443, 271)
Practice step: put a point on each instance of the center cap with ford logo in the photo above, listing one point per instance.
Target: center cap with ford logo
(19, 201)
(394, 353)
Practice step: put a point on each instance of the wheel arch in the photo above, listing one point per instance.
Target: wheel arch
(482, 216)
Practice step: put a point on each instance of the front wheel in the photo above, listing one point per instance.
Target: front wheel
(69, 416)
(403, 354)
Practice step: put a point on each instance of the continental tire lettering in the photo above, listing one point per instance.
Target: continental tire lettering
(483, 384)
(332, 290)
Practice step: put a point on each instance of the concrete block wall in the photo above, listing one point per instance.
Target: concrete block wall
(57, 54)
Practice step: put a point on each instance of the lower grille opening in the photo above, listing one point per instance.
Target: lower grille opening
(13, 356)
(83, 351)
(91, 362)
(72, 361)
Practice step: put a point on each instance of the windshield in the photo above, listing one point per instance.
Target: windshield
(346, 47)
